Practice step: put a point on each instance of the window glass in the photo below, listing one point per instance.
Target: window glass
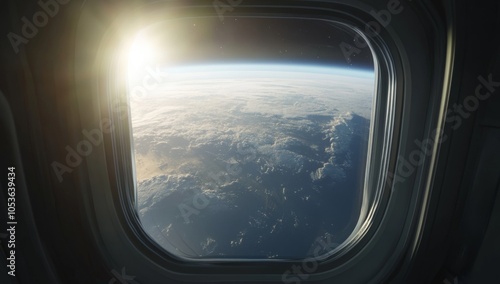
(250, 135)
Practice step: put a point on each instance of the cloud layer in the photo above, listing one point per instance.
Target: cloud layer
(266, 148)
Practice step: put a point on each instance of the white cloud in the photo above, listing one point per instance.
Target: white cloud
(188, 130)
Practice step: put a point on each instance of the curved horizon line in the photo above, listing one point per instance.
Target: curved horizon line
(253, 66)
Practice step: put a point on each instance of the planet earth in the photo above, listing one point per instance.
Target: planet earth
(252, 161)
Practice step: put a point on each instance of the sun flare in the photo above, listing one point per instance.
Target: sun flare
(141, 54)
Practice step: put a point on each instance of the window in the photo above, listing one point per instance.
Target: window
(251, 136)
(183, 39)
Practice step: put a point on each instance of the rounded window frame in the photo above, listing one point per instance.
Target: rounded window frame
(120, 188)
(382, 121)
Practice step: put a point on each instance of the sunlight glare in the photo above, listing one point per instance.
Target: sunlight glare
(141, 54)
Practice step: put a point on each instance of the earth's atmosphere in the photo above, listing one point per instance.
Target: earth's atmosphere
(252, 161)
